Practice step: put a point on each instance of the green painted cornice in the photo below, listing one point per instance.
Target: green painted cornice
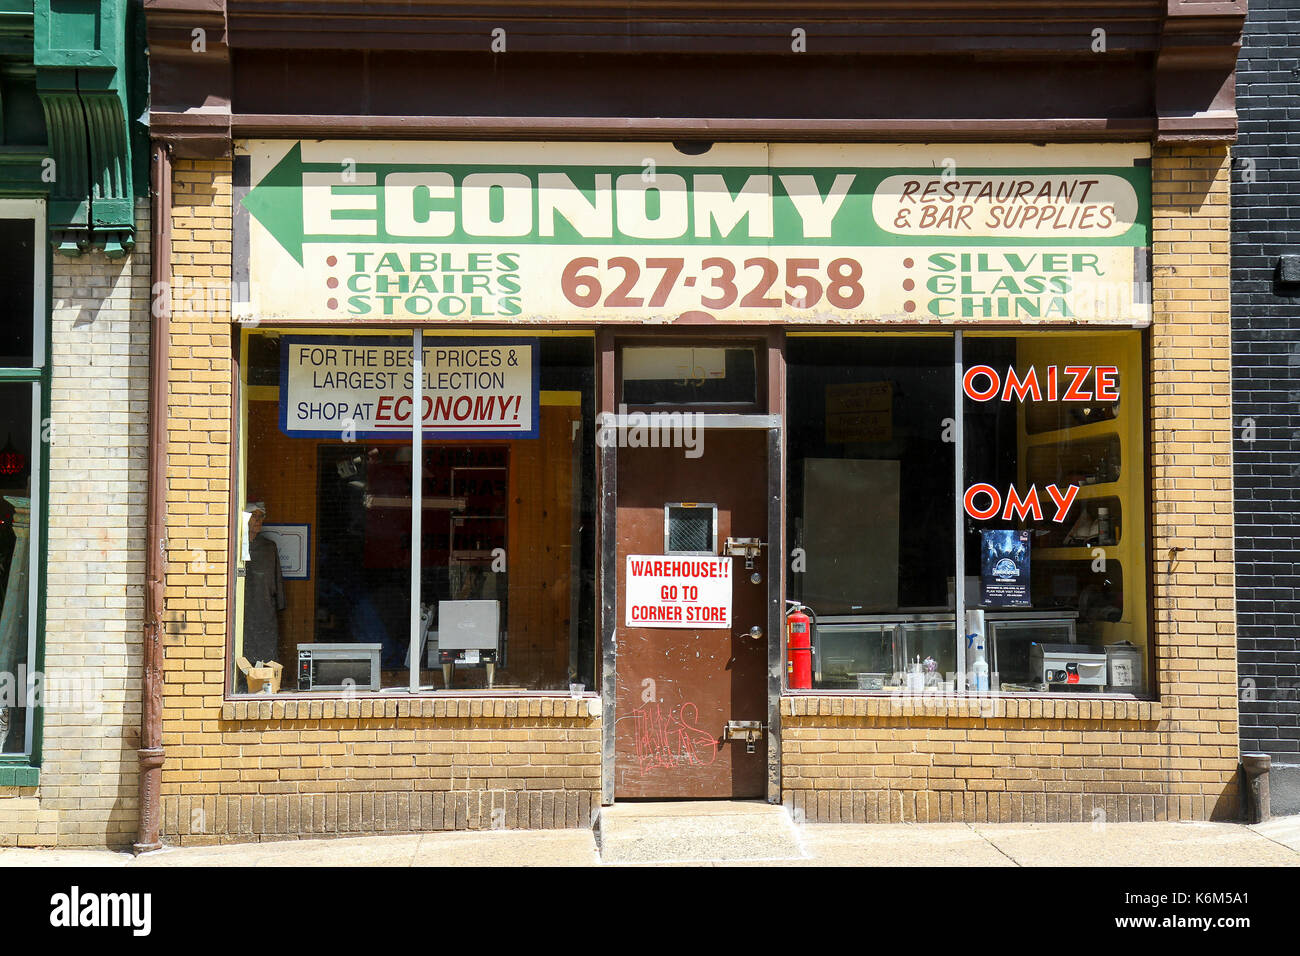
(82, 76)
(16, 30)
(16, 18)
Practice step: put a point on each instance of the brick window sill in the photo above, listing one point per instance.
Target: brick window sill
(990, 707)
(452, 705)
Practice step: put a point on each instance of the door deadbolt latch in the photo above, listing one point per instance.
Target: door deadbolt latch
(747, 548)
(750, 731)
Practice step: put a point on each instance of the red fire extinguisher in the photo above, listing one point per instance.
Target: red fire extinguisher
(798, 647)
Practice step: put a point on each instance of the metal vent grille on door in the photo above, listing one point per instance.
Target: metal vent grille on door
(690, 528)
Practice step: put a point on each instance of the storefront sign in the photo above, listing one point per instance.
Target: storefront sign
(360, 387)
(677, 591)
(444, 232)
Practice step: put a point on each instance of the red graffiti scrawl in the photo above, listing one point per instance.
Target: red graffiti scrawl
(668, 742)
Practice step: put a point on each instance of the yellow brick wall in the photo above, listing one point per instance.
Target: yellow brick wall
(263, 770)
(862, 761)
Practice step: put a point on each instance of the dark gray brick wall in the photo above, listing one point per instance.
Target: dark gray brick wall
(1266, 382)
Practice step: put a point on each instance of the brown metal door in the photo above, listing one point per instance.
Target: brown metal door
(678, 687)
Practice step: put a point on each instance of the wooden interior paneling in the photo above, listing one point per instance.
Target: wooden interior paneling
(540, 553)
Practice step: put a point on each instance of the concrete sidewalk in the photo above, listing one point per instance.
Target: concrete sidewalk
(1276, 843)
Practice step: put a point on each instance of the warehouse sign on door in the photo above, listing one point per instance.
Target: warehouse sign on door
(677, 591)
(361, 387)
(635, 232)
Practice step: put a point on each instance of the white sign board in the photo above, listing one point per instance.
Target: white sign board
(360, 387)
(677, 591)
(348, 231)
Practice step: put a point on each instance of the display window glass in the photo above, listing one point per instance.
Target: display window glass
(501, 596)
(17, 631)
(870, 497)
(1055, 550)
(22, 442)
(1039, 462)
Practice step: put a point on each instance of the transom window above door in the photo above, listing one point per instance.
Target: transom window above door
(712, 375)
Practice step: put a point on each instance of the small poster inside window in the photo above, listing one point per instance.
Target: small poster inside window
(860, 412)
(1004, 569)
(293, 541)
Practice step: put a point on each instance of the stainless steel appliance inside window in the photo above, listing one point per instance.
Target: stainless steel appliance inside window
(1011, 638)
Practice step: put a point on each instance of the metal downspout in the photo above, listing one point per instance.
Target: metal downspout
(151, 751)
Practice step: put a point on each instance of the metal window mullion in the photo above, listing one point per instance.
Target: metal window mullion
(34, 530)
(417, 499)
(959, 510)
(38, 298)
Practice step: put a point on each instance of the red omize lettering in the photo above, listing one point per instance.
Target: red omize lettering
(1075, 392)
(1107, 387)
(1020, 389)
(968, 383)
(981, 514)
(1063, 502)
(1030, 504)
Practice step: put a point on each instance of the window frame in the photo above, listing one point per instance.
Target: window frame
(712, 339)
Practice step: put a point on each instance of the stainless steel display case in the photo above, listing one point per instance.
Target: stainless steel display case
(845, 646)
